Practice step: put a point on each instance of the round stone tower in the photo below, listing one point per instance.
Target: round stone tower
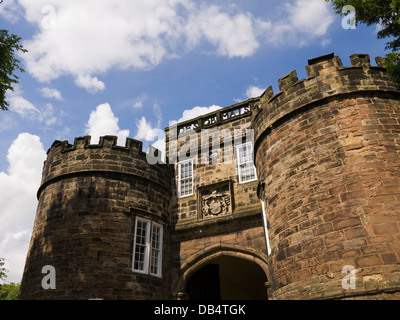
(327, 152)
(90, 199)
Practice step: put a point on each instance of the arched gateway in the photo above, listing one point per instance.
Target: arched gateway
(225, 272)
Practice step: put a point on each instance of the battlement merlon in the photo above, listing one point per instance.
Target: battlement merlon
(327, 77)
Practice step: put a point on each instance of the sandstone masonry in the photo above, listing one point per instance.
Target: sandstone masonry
(327, 170)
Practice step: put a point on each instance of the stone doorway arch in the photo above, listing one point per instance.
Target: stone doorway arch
(243, 273)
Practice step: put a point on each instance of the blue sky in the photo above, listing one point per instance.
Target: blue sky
(128, 68)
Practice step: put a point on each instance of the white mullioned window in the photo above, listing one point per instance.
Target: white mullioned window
(147, 247)
(246, 168)
(185, 179)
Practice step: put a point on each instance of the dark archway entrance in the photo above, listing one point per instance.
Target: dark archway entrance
(228, 278)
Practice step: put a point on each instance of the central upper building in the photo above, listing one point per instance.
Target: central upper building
(218, 243)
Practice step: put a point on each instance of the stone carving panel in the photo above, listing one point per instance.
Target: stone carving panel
(215, 201)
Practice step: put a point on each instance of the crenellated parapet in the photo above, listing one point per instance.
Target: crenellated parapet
(327, 78)
(65, 159)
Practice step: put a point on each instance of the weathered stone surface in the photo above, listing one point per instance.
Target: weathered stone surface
(327, 156)
(84, 222)
(334, 146)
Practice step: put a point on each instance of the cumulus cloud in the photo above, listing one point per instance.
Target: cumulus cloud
(85, 39)
(303, 21)
(90, 37)
(102, 121)
(254, 91)
(233, 36)
(196, 112)
(148, 133)
(18, 201)
(312, 17)
(145, 131)
(10, 12)
(91, 84)
(25, 156)
(51, 93)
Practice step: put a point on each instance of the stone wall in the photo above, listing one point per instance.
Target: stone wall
(194, 232)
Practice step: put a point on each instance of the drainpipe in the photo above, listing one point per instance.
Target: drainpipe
(261, 196)
(265, 227)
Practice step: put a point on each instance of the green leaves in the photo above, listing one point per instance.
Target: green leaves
(3, 270)
(393, 66)
(9, 45)
(8, 291)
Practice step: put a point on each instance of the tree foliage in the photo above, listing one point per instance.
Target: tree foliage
(386, 13)
(8, 291)
(3, 270)
(9, 46)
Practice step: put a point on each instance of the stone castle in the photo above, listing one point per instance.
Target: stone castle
(308, 207)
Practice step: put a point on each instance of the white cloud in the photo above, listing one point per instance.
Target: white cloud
(196, 112)
(304, 20)
(233, 36)
(157, 113)
(86, 39)
(312, 17)
(102, 122)
(51, 93)
(146, 132)
(91, 84)
(10, 11)
(24, 108)
(18, 201)
(161, 145)
(138, 103)
(90, 37)
(254, 91)
(25, 156)
(379, 27)
(47, 115)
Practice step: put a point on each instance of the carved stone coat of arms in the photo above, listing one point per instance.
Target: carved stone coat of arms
(216, 203)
